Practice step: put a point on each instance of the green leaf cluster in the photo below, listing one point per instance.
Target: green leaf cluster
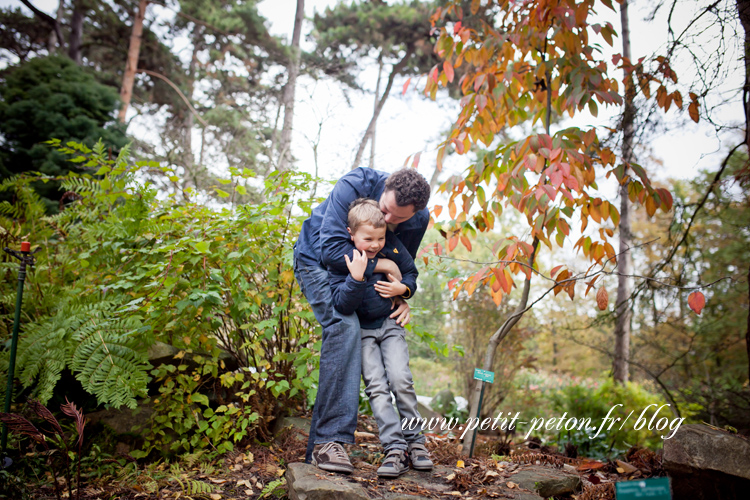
(123, 267)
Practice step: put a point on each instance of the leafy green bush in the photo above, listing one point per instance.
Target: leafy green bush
(123, 267)
(594, 401)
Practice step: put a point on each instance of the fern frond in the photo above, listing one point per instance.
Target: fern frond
(107, 362)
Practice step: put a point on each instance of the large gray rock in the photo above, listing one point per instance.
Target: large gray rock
(707, 463)
(546, 481)
(307, 482)
(441, 403)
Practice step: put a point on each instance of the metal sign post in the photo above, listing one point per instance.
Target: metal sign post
(27, 259)
(483, 376)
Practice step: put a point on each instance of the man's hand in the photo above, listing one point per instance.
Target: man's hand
(387, 266)
(393, 289)
(357, 265)
(402, 313)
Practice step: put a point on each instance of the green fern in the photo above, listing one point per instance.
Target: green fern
(192, 487)
(101, 349)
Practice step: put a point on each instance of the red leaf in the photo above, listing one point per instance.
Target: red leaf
(457, 28)
(696, 301)
(434, 74)
(406, 86)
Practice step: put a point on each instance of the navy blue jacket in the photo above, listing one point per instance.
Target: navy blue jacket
(324, 239)
(350, 295)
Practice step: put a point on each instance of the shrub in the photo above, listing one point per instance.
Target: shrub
(123, 267)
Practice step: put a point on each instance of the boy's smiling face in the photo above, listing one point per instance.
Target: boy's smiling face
(368, 239)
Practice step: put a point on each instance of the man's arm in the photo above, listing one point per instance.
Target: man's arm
(335, 241)
(411, 232)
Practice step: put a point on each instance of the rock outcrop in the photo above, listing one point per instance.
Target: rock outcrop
(707, 463)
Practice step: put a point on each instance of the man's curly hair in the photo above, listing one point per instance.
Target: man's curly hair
(410, 188)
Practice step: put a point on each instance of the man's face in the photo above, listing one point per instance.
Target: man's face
(369, 239)
(393, 213)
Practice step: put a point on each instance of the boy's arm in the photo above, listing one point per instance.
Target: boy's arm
(346, 292)
(396, 251)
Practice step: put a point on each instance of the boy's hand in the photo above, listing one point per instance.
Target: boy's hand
(357, 265)
(393, 289)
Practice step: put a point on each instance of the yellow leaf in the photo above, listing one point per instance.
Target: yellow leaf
(460, 464)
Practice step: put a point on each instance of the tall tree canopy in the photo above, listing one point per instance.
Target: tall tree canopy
(52, 97)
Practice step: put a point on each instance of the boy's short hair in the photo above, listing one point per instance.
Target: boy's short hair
(365, 211)
(410, 188)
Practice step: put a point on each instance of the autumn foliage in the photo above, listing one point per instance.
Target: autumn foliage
(541, 57)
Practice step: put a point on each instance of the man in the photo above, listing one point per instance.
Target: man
(323, 242)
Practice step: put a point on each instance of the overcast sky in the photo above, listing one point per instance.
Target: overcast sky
(411, 123)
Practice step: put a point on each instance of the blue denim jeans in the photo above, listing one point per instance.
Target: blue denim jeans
(335, 413)
(385, 369)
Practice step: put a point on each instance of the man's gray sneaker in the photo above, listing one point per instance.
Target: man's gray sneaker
(420, 457)
(394, 465)
(332, 457)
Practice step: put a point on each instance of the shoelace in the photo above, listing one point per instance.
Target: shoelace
(336, 450)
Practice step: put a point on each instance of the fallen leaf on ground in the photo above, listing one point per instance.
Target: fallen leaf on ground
(626, 467)
(460, 464)
(511, 485)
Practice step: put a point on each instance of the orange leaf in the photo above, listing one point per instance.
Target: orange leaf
(437, 210)
(406, 86)
(466, 243)
(452, 283)
(591, 465)
(415, 163)
(448, 68)
(452, 243)
(602, 298)
(696, 301)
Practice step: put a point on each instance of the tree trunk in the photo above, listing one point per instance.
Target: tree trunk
(76, 31)
(128, 79)
(54, 40)
(375, 106)
(743, 9)
(371, 127)
(189, 121)
(285, 146)
(489, 355)
(623, 312)
(747, 334)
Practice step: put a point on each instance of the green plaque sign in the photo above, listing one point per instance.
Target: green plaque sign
(484, 375)
(656, 488)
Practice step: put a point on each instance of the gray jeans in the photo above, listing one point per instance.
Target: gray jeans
(385, 369)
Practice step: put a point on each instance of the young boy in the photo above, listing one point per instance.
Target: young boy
(385, 356)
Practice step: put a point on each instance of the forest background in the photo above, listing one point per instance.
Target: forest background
(176, 229)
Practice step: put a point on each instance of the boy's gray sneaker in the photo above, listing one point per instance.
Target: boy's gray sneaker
(420, 457)
(394, 465)
(332, 457)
